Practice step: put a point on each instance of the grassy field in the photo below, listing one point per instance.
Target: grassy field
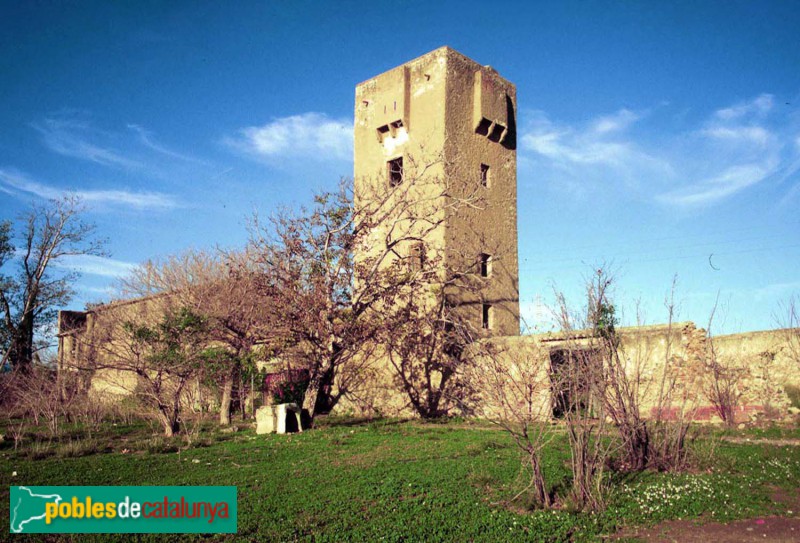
(403, 481)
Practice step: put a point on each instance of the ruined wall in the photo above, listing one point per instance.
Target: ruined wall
(670, 368)
(768, 362)
(94, 347)
(645, 353)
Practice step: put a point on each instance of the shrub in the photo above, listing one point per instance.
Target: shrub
(74, 449)
(287, 386)
(793, 392)
(39, 450)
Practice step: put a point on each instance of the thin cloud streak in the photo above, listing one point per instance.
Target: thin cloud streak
(13, 182)
(95, 265)
(71, 137)
(146, 138)
(729, 182)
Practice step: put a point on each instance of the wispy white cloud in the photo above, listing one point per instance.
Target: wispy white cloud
(77, 138)
(133, 147)
(592, 153)
(13, 182)
(308, 135)
(147, 139)
(730, 181)
(104, 292)
(95, 265)
(744, 134)
(760, 106)
(620, 120)
(733, 149)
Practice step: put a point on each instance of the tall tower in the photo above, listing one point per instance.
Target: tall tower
(455, 119)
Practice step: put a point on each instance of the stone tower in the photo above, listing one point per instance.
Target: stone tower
(455, 119)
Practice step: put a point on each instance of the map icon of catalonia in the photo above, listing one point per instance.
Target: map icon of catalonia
(27, 507)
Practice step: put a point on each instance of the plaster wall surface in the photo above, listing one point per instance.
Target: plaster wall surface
(447, 117)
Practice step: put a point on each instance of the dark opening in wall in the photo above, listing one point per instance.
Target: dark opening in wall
(571, 373)
(417, 256)
(485, 175)
(382, 131)
(497, 132)
(395, 171)
(483, 127)
(395, 126)
(485, 264)
(486, 317)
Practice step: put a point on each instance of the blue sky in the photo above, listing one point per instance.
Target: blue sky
(652, 135)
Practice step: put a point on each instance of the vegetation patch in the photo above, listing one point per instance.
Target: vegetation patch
(388, 480)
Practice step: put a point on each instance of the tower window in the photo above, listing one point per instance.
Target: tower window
(395, 171)
(485, 175)
(497, 132)
(486, 317)
(417, 257)
(485, 264)
(483, 127)
(382, 131)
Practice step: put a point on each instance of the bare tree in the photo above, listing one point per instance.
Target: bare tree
(789, 321)
(677, 399)
(29, 298)
(723, 379)
(336, 270)
(306, 259)
(620, 386)
(578, 379)
(163, 350)
(226, 289)
(515, 389)
(36, 394)
(634, 376)
(425, 344)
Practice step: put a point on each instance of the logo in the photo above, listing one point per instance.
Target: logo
(123, 509)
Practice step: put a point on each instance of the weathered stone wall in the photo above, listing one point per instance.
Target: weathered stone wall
(670, 368)
(480, 131)
(92, 347)
(768, 361)
(95, 345)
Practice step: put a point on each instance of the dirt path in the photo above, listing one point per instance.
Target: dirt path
(790, 442)
(773, 529)
(778, 529)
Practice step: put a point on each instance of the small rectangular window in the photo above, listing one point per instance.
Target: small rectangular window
(417, 257)
(498, 130)
(395, 171)
(485, 175)
(485, 264)
(483, 127)
(486, 317)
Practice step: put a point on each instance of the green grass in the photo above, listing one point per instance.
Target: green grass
(397, 481)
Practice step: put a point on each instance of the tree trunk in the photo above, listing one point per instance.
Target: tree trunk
(317, 399)
(21, 349)
(227, 399)
(170, 423)
(310, 398)
(540, 488)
